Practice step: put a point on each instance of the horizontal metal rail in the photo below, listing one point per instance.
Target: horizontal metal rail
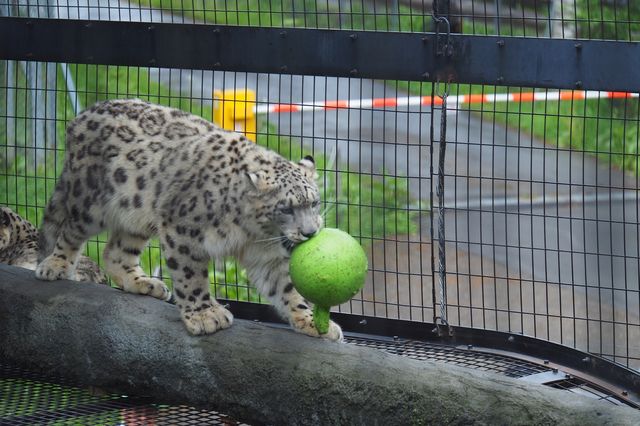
(505, 61)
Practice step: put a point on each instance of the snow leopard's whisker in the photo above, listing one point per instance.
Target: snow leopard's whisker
(326, 210)
(280, 237)
(275, 245)
(273, 242)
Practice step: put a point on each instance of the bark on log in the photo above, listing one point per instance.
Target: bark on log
(259, 374)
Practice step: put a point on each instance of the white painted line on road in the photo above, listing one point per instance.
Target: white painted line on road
(489, 203)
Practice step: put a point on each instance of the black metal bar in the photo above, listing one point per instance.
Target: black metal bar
(515, 343)
(509, 61)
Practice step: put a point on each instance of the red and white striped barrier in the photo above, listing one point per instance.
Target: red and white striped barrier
(452, 101)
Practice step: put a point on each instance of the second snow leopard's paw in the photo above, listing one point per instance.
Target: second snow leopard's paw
(208, 320)
(148, 286)
(54, 268)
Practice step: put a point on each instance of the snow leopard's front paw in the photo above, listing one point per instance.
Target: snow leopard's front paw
(334, 333)
(54, 268)
(208, 320)
(303, 322)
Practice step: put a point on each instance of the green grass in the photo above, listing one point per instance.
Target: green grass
(606, 128)
(620, 22)
(592, 19)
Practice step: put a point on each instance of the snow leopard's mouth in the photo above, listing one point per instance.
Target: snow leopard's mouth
(288, 244)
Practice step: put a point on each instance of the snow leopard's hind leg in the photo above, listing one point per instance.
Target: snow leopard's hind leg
(188, 264)
(122, 263)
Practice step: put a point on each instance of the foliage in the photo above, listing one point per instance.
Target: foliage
(93, 83)
(613, 21)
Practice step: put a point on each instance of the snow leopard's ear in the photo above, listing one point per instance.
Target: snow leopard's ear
(309, 164)
(261, 181)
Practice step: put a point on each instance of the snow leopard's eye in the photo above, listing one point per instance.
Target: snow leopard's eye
(315, 204)
(286, 210)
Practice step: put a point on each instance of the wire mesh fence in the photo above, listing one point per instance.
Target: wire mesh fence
(588, 19)
(540, 185)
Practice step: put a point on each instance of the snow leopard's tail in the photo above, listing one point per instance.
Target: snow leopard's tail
(54, 217)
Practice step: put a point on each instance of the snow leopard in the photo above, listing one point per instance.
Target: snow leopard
(19, 247)
(141, 170)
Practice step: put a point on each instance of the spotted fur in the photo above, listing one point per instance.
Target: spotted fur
(19, 247)
(141, 170)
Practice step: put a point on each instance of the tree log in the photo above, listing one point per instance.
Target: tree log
(256, 373)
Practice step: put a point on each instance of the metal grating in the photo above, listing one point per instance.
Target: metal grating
(510, 367)
(28, 398)
(490, 362)
(581, 387)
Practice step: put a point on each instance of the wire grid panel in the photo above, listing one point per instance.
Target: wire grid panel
(543, 221)
(372, 174)
(570, 19)
(542, 238)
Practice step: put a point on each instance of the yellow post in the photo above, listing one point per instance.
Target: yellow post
(234, 109)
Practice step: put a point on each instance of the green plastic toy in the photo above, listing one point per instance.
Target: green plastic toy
(328, 269)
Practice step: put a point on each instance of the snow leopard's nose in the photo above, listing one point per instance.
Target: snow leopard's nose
(308, 235)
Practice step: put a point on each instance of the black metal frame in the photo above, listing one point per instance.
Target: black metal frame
(505, 61)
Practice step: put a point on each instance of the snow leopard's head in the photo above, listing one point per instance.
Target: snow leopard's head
(291, 199)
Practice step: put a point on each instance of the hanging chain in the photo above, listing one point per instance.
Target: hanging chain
(444, 47)
(443, 41)
(442, 261)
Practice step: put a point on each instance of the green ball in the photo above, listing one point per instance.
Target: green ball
(328, 269)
